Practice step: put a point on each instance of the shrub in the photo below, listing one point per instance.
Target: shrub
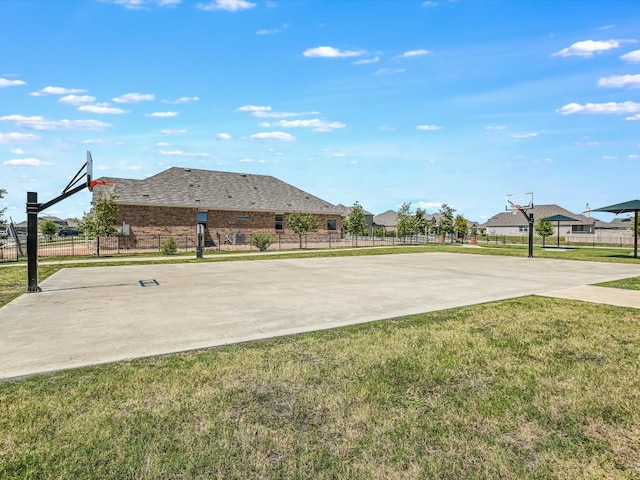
(262, 241)
(169, 246)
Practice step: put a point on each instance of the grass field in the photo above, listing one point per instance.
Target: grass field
(526, 388)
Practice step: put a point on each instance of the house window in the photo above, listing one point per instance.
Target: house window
(279, 222)
(332, 224)
(202, 218)
(524, 229)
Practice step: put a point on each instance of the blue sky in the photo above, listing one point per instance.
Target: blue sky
(381, 102)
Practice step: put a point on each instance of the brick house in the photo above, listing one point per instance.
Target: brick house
(230, 206)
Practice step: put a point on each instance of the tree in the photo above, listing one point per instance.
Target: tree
(101, 221)
(355, 223)
(405, 221)
(3, 192)
(48, 229)
(302, 223)
(544, 228)
(445, 225)
(421, 222)
(461, 226)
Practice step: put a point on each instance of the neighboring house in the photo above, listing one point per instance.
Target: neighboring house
(228, 205)
(21, 228)
(387, 220)
(346, 211)
(622, 223)
(510, 224)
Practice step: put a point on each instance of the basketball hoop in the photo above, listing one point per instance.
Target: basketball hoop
(106, 186)
(515, 209)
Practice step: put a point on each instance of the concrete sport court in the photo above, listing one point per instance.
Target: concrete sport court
(103, 314)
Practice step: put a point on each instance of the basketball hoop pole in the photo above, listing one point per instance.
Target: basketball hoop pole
(33, 209)
(529, 217)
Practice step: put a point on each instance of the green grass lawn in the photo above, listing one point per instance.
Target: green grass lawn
(527, 388)
(627, 283)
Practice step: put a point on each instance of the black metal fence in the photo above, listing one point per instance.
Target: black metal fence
(148, 244)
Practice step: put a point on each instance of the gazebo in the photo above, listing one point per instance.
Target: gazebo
(626, 207)
(558, 219)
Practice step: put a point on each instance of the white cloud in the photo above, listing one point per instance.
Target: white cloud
(15, 137)
(389, 71)
(102, 109)
(182, 100)
(253, 108)
(428, 127)
(414, 53)
(604, 108)
(633, 118)
(491, 128)
(227, 5)
(180, 153)
(331, 52)
(40, 123)
(57, 91)
(24, 162)
(76, 100)
(587, 48)
(141, 4)
(162, 144)
(11, 83)
(314, 124)
(620, 81)
(367, 61)
(631, 57)
(162, 114)
(272, 31)
(134, 98)
(429, 3)
(17, 151)
(173, 131)
(223, 136)
(282, 136)
(524, 135)
(339, 155)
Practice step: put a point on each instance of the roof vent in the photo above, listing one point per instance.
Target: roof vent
(187, 169)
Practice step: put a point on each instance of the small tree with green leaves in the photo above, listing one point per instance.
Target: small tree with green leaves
(302, 223)
(405, 221)
(355, 223)
(262, 241)
(461, 226)
(169, 246)
(544, 228)
(48, 229)
(445, 225)
(101, 221)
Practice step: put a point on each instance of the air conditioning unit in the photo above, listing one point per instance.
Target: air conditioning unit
(238, 238)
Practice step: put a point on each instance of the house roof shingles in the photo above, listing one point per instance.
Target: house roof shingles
(213, 190)
(508, 219)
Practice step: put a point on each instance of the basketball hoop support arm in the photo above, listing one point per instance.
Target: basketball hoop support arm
(33, 209)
